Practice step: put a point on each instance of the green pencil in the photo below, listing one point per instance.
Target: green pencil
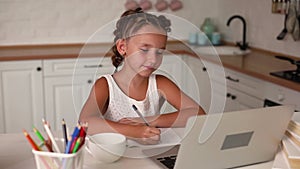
(39, 135)
(78, 141)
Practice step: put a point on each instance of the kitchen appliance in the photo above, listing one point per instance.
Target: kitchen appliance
(293, 75)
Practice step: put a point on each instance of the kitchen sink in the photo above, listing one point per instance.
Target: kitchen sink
(220, 50)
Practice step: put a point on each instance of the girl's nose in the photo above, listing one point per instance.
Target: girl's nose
(152, 57)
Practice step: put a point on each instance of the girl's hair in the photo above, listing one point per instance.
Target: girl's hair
(130, 22)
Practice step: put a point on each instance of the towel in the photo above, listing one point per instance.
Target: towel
(291, 17)
(296, 31)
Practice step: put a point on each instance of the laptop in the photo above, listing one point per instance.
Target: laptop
(240, 138)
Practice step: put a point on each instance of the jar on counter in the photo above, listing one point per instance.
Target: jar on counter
(216, 38)
(208, 27)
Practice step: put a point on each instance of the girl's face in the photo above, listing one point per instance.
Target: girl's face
(144, 50)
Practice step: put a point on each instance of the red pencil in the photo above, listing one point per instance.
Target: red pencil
(83, 133)
(33, 145)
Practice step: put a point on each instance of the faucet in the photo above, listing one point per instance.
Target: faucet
(244, 44)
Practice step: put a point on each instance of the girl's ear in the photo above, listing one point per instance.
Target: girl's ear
(121, 46)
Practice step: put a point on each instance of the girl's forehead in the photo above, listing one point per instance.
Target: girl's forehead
(150, 29)
(149, 39)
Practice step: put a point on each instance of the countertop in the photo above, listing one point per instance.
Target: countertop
(18, 154)
(259, 63)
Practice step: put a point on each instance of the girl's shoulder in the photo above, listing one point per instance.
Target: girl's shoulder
(101, 85)
(160, 77)
(102, 81)
(164, 82)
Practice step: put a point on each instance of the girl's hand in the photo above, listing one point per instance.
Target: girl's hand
(147, 135)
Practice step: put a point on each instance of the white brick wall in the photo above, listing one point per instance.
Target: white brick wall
(74, 21)
(71, 21)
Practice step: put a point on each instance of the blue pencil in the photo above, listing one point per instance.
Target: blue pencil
(68, 147)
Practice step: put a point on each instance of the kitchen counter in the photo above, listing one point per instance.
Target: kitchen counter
(18, 154)
(258, 63)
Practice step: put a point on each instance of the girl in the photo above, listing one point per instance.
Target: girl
(140, 40)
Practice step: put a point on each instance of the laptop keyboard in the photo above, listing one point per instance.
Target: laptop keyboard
(169, 161)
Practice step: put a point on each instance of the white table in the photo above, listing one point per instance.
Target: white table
(15, 153)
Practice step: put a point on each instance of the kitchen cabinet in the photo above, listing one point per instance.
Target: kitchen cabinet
(57, 88)
(229, 89)
(282, 95)
(67, 84)
(207, 84)
(197, 82)
(237, 100)
(244, 92)
(171, 67)
(21, 95)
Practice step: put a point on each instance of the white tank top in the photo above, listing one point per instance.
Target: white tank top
(120, 105)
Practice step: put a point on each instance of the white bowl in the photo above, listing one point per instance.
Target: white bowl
(106, 147)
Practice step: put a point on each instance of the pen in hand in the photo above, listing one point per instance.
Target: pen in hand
(140, 114)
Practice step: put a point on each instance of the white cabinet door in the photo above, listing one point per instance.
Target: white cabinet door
(67, 85)
(237, 100)
(220, 88)
(206, 84)
(171, 67)
(282, 95)
(21, 95)
(64, 99)
(198, 82)
(243, 91)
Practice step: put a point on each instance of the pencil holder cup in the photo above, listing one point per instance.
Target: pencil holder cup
(53, 160)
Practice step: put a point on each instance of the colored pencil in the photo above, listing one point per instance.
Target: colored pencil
(78, 141)
(68, 145)
(51, 136)
(40, 136)
(82, 134)
(75, 135)
(32, 143)
(64, 128)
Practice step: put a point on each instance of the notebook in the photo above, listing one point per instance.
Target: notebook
(168, 137)
(240, 138)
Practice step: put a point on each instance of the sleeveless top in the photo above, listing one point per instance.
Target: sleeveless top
(120, 105)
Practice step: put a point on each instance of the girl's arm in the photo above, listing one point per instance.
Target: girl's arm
(97, 103)
(186, 106)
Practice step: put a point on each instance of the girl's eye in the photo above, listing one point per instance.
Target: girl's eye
(159, 51)
(144, 50)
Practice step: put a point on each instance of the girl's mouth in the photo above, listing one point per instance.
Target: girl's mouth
(149, 67)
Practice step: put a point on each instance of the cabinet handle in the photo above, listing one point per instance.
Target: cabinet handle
(231, 79)
(38, 69)
(228, 95)
(233, 97)
(204, 69)
(89, 81)
(92, 66)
